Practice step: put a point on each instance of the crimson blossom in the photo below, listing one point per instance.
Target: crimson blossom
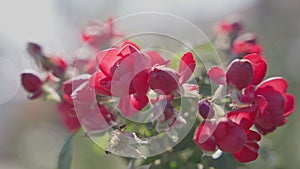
(264, 105)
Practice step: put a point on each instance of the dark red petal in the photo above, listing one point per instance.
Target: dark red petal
(205, 109)
(253, 136)
(217, 75)
(140, 82)
(263, 130)
(259, 65)
(107, 59)
(163, 80)
(277, 83)
(31, 82)
(229, 136)
(186, 67)
(203, 137)
(239, 74)
(289, 105)
(156, 58)
(248, 153)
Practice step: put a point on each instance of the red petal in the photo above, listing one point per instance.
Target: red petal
(239, 74)
(163, 80)
(127, 50)
(259, 65)
(186, 67)
(140, 82)
(107, 59)
(248, 153)
(289, 105)
(229, 136)
(253, 136)
(132, 104)
(100, 83)
(277, 83)
(217, 75)
(203, 137)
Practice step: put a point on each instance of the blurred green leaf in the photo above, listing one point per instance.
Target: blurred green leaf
(65, 156)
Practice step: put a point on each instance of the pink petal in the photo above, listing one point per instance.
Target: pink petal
(259, 65)
(186, 67)
(156, 58)
(217, 75)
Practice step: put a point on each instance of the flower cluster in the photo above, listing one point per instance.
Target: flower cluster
(253, 102)
(114, 87)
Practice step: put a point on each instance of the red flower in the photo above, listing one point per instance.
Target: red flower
(250, 150)
(232, 26)
(164, 80)
(224, 134)
(280, 104)
(240, 73)
(99, 35)
(246, 44)
(32, 84)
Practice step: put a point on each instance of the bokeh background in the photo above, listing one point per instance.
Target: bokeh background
(31, 133)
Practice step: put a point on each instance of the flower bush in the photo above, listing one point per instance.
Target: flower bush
(110, 91)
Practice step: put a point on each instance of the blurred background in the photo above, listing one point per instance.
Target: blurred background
(31, 133)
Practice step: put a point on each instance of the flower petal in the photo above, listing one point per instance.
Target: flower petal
(239, 74)
(289, 105)
(259, 65)
(217, 75)
(186, 67)
(277, 83)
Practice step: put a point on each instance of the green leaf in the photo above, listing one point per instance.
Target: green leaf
(65, 156)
